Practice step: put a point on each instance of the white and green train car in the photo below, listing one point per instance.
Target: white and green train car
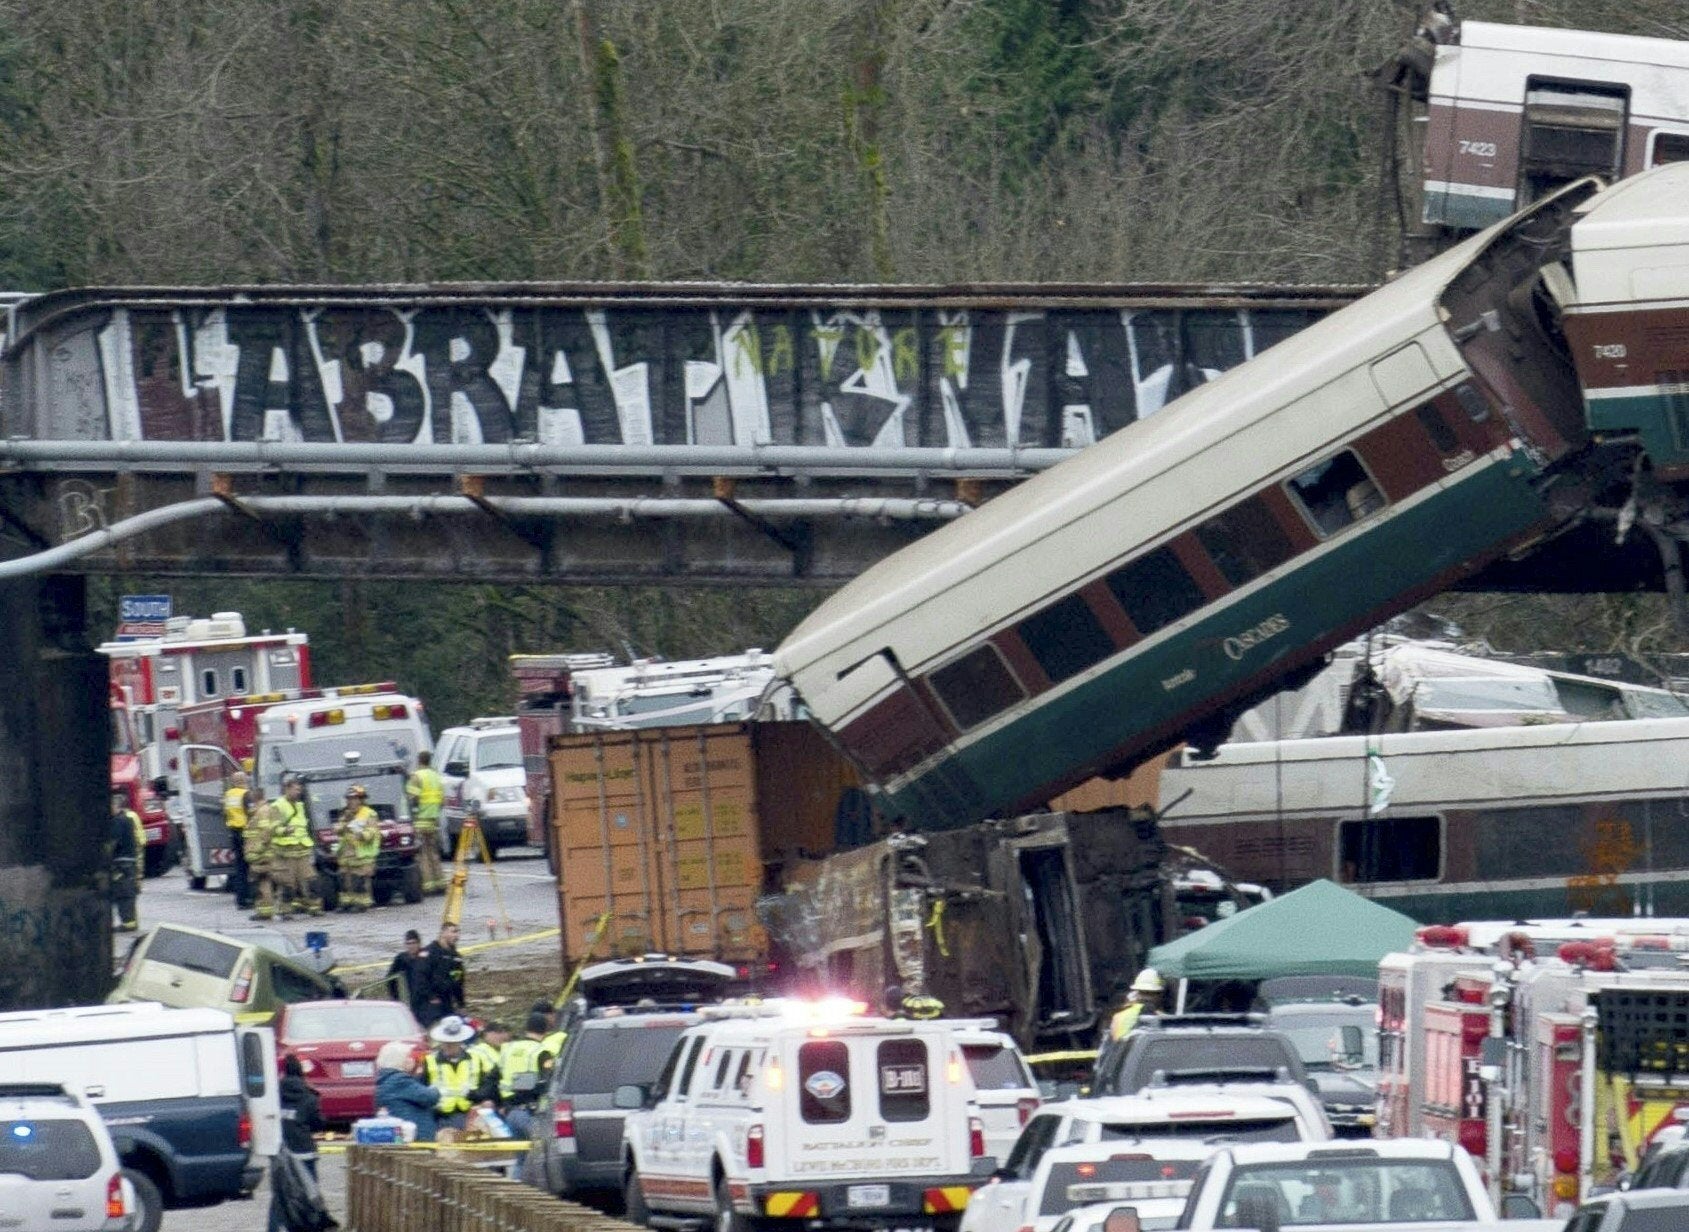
(1144, 591)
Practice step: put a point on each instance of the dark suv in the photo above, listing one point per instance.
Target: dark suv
(1338, 1043)
(1206, 1048)
(577, 1130)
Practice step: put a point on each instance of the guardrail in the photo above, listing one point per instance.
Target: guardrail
(396, 1189)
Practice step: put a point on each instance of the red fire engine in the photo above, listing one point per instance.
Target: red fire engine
(154, 678)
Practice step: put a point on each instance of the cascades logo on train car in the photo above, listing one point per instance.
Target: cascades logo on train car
(1240, 645)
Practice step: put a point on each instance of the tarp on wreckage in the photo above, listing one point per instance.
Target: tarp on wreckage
(1320, 929)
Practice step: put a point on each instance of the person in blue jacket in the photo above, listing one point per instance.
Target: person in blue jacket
(400, 1093)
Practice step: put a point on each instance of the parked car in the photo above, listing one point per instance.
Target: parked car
(1640, 1210)
(836, 1120)
(336, 1043)
(320, 958)
(1152, 1174)
(1338, 1044)
(1124, 1123)
(58, 1168)
(181, 966)
(577, 1128)
(481, 765)
(189, 1096)
(659, 979)
(327, 767)
(1004, 1088)
(1196, 1048)
(1418, 1183)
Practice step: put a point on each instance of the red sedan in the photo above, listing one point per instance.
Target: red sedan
(336, 1043)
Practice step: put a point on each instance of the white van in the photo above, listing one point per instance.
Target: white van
(190, 1098)
(348, 710)
(800, 1111)
(481, 767)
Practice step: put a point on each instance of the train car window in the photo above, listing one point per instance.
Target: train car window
(1668, 148)
(1390, 849)
(1337, 492)
(976, 686)
(1437, 428)
(1245, 541)
(1066, 638)
(1571, 129)
(1472, 402)
(1155, 590)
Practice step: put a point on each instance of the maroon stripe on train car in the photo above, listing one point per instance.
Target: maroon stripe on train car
(1289, 518)
(1637, 346)
(1401, 456)
(1026, 668)
(897, 734)
(1480, 436)
(1191, 554)
(1109, 614)
(1483, 146)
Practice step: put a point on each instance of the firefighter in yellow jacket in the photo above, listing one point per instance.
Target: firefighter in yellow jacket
(263, 823)
(358, 843)
(427, 792)
(235, 811)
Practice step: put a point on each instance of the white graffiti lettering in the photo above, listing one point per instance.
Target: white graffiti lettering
(1240, 645)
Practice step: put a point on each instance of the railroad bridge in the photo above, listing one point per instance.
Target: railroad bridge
(642, 433)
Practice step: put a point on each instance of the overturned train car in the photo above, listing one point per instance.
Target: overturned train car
(1032, 921)
(1150, 588)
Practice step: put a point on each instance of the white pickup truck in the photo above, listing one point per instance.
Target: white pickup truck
(1410, 1183)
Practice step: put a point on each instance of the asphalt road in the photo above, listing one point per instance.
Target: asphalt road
(529, 906)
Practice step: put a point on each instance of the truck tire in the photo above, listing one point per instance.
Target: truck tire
(633, 1200)
(726, 1218)
(148, 1199)
(381, 891)
(412, 884)
(155, 862)
(196, 882)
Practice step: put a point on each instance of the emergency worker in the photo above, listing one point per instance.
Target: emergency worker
(488, 1046)
(427, 792)
(455, 1072)
(263, 822)
(921, 1006)
(127, 840)
(357, 844)
(551, 1039)
(1144, 994)
(291, 853)
(523, 1065)
(236, 803)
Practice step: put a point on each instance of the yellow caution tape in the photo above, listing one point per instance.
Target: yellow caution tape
(505, 1145)
(542, 935)
(935, 921)
(1056, 1058)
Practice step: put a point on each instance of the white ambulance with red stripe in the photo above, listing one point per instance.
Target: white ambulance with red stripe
(806, 1114)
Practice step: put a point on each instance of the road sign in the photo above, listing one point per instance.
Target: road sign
(150, 608)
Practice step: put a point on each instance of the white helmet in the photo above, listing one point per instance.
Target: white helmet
(1148, 980)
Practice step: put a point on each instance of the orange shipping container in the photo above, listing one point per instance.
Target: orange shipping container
(670, 833)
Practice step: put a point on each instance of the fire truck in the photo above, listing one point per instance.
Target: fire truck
(153, 679)
(544, 706)
(1564, 1038)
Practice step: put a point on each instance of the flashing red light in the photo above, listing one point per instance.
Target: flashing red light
(1566, 1160)
(754, 1147)
(1443, 937)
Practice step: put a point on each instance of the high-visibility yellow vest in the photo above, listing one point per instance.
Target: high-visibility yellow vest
(360, 836)
(1120, 1026)
(295, 828)
(140, 832)
(234, 808)
(430, 792)
(519, 1056)
(485, 1053)
(454, 1080)
(553, 1043)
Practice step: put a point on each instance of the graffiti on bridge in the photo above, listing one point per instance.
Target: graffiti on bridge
(471, 374)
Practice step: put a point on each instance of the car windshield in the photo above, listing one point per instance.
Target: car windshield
(1324, 1040)
(48, 1150)
(995, 1068)
(608, 1057)
(1187, 1057)
(501, 752)
(206, 955)
(354, 1020)
(1312, 1192)
(1232, 1129)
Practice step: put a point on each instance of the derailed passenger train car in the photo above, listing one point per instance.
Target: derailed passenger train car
(1144, 591)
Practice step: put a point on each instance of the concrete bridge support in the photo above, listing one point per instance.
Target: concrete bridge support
(55, 919)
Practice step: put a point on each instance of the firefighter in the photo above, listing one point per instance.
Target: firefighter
(358, 843)
(551, 1039)
(488, 1047)
(1142, 995)
(127, 841)
(427, 792)
(291, 853)
(523, 1065)
(236, 804)
(455, 1072)
(263, 823)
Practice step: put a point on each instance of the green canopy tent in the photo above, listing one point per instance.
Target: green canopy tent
(1320, 929)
